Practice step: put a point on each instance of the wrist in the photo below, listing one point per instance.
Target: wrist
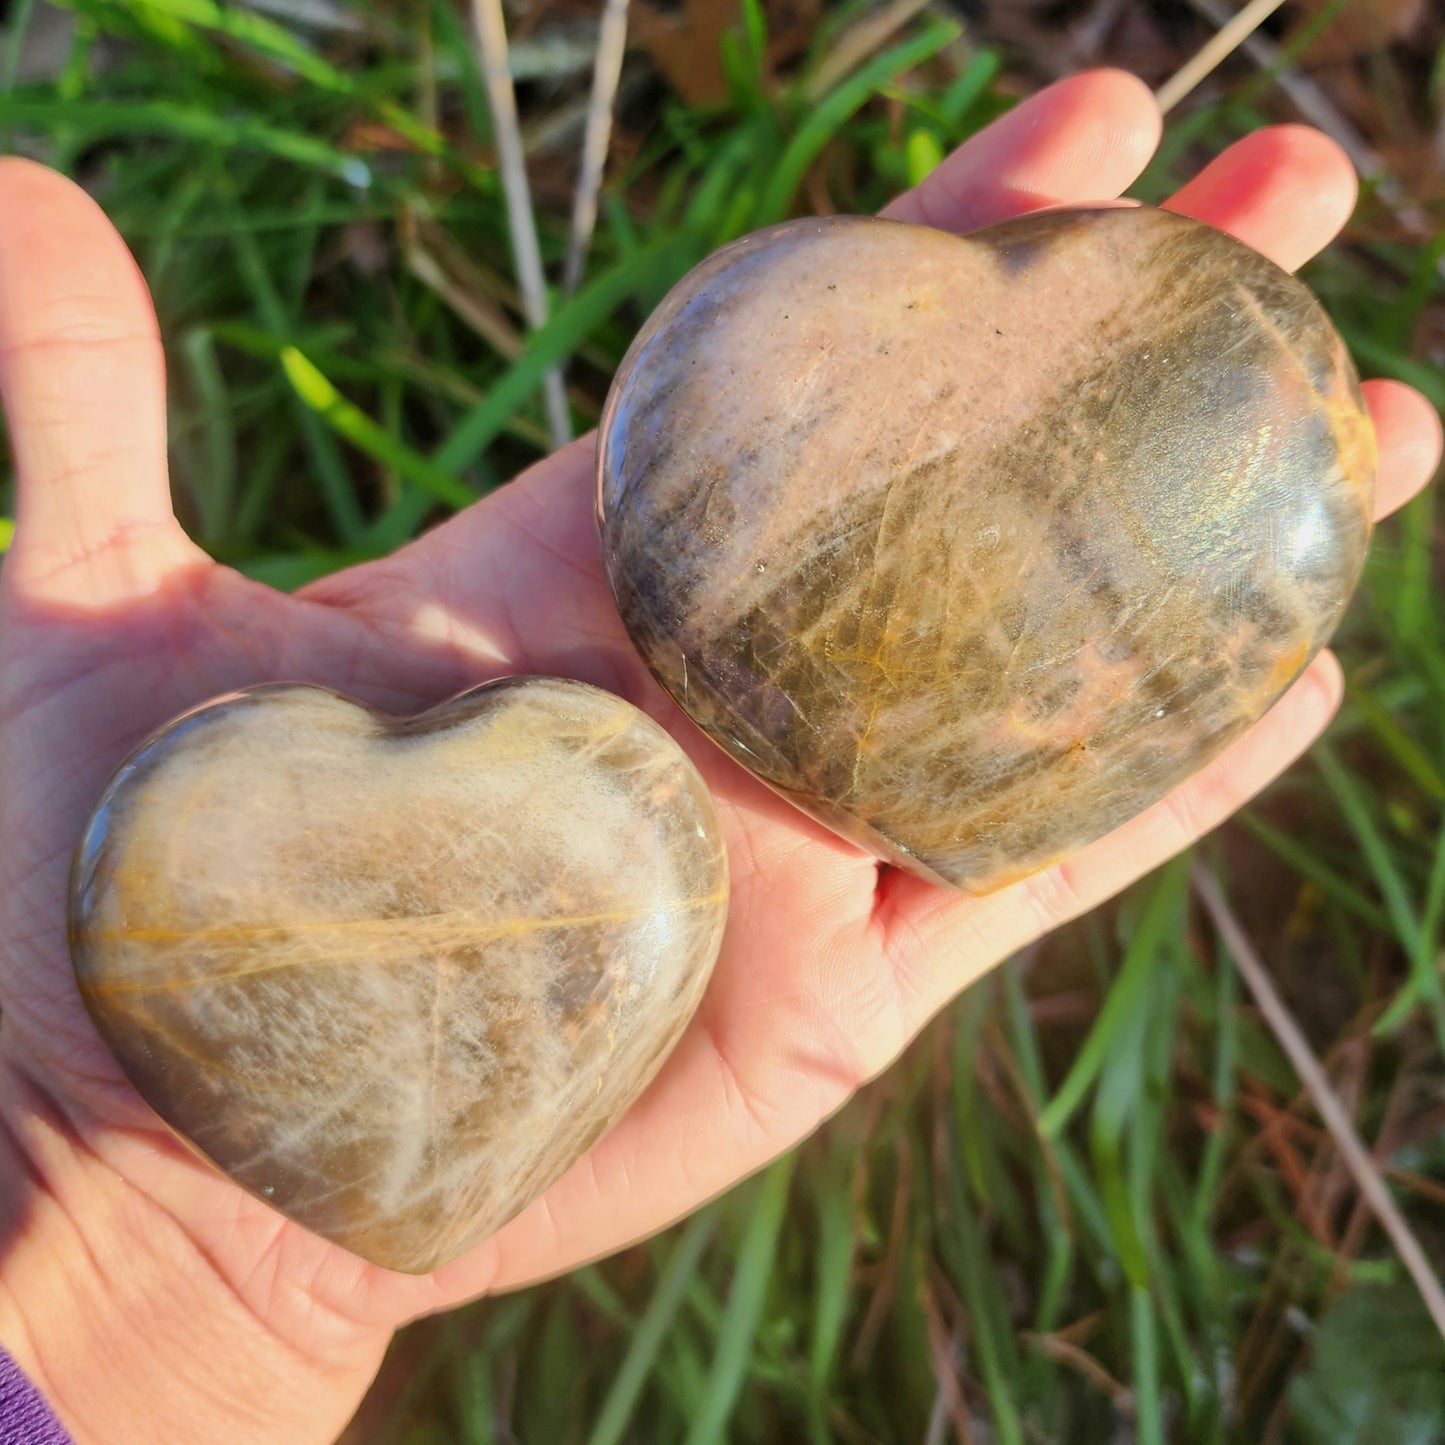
(122, 1320)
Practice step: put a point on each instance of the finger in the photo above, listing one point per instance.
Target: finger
(1407, 429)
(82, 376)
(1082, 139)
(929, 929)
(1285, 191)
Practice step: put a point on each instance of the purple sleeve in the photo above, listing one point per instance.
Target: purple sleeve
(25, 1418)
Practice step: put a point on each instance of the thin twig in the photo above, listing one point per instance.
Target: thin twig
(946, 1349)
(1233, 31)
(479, 311)
(427, 96)
(606, 74)
(526, 254)
(1334, 1114)
(1386, 1142)
(440, 263)
(1056, 1347)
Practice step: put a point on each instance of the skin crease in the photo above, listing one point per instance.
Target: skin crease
(152, 1299)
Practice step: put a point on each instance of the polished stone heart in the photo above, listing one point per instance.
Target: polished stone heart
(975, 548)
(395, 975)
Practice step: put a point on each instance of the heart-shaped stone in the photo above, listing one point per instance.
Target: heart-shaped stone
(394, 976)
(975, 548)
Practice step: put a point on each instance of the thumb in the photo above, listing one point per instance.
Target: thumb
(82, 376)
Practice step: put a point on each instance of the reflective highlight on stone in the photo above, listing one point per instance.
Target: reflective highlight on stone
(977, 548)
(395, 976)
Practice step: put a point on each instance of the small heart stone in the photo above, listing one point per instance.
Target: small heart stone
(394, 976)
(975, 548)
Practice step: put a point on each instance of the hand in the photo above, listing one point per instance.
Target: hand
(113, 622)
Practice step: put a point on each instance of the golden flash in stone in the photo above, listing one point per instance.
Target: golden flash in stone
(392, 975)
(975, 548)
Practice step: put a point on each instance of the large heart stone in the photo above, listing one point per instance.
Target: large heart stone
(975, 548)
(394, 976)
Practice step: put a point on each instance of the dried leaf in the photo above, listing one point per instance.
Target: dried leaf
(687, 47)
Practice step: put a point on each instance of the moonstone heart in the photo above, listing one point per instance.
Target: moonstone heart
(394, 976)
(975, 548)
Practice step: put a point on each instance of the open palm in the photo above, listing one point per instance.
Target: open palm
(113, 622)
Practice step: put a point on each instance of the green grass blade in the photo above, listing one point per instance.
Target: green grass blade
(1061, 1253)
(1424, 982)
(1411, 757)
(1226, 1064)
(1432, 916)
(349, 421)
(739, 1326)
(1415, 611)
(333, 480)
(965, 92)
(268, 38)
(617, 1409)
(963, 1245)
(104, 119)
(1144, 1346)
(1306, 862)
(1434, 911)
(1161, 914)
(215, 495)
(1120, 1085)
(264, 36)
(835, 1268)
(550, 346)
(197, 53)
(593, 1284)
(18, 27)
(827, 119)
(923, 155)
